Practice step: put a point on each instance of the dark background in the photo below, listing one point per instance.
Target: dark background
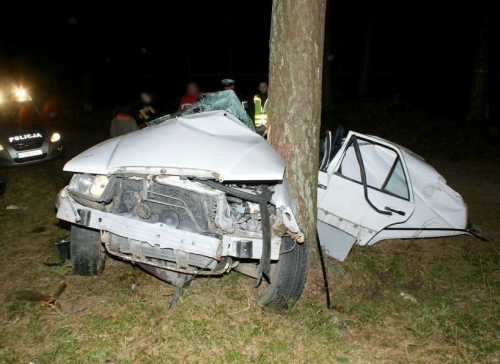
(423, 50)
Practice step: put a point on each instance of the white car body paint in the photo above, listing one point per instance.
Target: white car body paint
(428, 205)
(218, 146)
(211, 145)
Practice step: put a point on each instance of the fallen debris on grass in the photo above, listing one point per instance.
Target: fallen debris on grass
(15, 207)
(50, 301)
(409, 297)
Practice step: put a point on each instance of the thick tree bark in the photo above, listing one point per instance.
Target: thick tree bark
(297, 38)
(478, 109)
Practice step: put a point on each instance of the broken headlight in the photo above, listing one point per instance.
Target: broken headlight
(99, 186)
(89, 185)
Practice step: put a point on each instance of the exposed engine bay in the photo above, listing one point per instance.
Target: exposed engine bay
(241, 220)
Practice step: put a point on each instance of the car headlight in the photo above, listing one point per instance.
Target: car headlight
(90, 185)
(21, 93)
(55, 137)
(99, 185)
(1, 147)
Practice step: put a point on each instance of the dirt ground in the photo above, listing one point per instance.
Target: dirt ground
(450, 310)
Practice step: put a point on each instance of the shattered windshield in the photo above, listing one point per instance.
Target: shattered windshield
(222, 100)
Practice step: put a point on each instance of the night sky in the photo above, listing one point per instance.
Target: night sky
(148, 39)
(151, 40)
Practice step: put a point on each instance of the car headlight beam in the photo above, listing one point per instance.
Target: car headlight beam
(55, 137)
(21, 93)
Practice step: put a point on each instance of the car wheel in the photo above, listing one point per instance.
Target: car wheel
(288, 275)
(86, 251)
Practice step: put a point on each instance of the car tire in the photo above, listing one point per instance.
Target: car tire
(86, 251)
(288, 275)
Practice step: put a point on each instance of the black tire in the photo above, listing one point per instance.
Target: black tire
(86, 251)
(288, 276)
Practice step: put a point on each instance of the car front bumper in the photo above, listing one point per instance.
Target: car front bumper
(50, 151)
(160, 235)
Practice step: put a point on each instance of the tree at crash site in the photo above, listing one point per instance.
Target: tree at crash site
(296, 62)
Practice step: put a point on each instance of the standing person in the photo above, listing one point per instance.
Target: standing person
(149, 109)
(260, 108)
(192, 93)
(262, 95)
(229, 84)
(123, 122)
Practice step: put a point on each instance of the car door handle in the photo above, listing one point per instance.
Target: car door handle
(402, 213)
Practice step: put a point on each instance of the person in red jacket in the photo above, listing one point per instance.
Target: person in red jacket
(192, 93)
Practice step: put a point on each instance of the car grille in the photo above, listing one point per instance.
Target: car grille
(187, 206)
(195, 212)
(27, 144)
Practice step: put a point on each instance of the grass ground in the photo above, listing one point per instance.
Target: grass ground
(456, 282)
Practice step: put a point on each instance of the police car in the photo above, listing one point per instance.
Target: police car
(26, 136)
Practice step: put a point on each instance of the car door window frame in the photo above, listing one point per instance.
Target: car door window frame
(338, 168)
(389, 175)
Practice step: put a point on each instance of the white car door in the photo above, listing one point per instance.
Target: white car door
(364, 190)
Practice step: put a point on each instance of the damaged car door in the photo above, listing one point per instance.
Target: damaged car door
(364, 189)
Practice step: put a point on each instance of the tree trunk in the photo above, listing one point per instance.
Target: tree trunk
(478, 108)
(296, 61)
(366, 66)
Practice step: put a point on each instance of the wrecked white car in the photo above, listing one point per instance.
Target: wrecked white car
(370, 189)
(193, 195)
(200, 193)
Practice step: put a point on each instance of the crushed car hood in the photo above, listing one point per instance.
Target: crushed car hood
(211, 144)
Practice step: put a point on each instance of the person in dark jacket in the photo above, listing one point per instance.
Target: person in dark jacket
(229, 84)
(123, 122)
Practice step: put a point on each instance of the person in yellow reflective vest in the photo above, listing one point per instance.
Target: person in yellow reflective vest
(149, 108)
(261, 107)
